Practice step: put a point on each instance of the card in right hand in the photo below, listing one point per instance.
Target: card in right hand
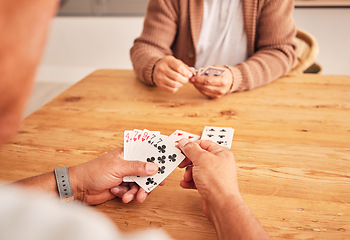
(220, 135)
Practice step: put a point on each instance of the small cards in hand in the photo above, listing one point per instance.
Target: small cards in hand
(151, 146)
(210, 71)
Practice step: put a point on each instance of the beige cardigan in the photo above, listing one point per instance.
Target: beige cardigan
(172, 27)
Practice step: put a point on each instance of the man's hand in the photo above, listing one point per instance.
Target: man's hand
(170, 74)
(101, 179)
(213, 87)
(211, 169)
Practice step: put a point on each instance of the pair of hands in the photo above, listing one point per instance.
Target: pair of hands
(170, 74)
(101, 179)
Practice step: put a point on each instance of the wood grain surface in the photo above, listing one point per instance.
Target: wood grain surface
(291, 144)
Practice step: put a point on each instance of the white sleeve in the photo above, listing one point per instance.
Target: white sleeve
(32, 215)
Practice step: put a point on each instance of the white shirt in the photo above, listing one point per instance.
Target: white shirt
(222, 39)
(31, 215)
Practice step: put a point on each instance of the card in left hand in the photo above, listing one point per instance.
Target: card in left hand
(151, 146)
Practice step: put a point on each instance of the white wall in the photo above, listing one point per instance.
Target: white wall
(330, 27)
(79, 45)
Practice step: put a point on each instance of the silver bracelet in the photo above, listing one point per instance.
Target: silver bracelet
(63, 184)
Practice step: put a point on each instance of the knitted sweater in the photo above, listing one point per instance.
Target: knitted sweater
(172, 27)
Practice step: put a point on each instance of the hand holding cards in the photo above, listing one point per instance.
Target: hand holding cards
(151, 146)
(214, 82)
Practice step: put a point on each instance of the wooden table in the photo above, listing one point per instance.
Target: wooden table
(292, 146)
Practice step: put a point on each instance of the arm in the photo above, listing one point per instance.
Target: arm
(272, 56)
(23, 29)
(274, 49)
(221, 200)
(99, 180)
(151, 54)
(158, 34)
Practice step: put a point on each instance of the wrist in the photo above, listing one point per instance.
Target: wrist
(222, 213)
(221, 202)
(76, 183)
(153, 70)
(232, 79)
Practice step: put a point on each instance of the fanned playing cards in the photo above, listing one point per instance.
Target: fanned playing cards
(152, 146)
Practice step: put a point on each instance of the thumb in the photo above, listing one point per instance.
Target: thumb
(137, 168)
(190, 149)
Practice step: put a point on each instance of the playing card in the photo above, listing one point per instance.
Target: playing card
(199, 71)
(138, 141)
(220, 135)
(179, 134)
(163, 152)
(131, 138)
(141, 147)
(136, 135)
(212, 71)
(127, 143)
(155, 145)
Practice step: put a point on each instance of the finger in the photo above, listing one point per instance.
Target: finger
(119, 191)
(211, 146)
(162, 183)
(124, 184)
(191, 149)
(130, 195)
(185, 163)
(188, 174)
(211, 91)
(171, 83)
(97, 199)
(205, 92)
(141, 195)
(206, 146)
(137, 168)
(221, 90)
(188, 185)
(199, 79)
(216, 81)
(210, 94)
(177, 77)
(178, 66)
(168, 89)
(192, 69)
(168, 85)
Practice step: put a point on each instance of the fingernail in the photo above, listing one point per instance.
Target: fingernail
(187, 72)
(143, 197)
(115, 190)
(151, 167)
(183, 142)
(129, 198)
